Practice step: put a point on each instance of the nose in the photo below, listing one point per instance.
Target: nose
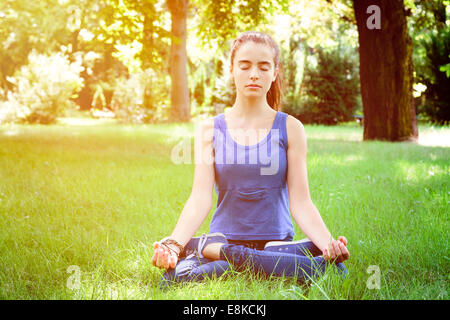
(254, 74)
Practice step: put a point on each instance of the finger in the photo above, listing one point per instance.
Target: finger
(345, 252)
(155, 253)
(159, 261)
(326, 254)
(343, 240)
(166, 260)
(331, 251)
(155, 256)
(336, 248)
(158, 257)
(173, 261)
(342, 257)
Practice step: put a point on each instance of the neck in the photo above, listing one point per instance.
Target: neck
(250, 107)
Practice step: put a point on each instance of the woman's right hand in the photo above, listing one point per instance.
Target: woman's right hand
(337, 250)
(163, 257)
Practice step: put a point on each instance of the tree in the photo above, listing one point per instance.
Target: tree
(25, 26)
(316, 87)
(178, 60)
(431, 42)
(436, 79)
(386, 70)
(330, 90)
(146, 29)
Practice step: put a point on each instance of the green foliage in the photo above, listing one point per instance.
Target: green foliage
(44, 88)
(197, 76)
(224, 93)
(143, 22)
(141, 98)
(224, 19)
(26, 26)
(199, 92)
(293, 60)
(117, 38)
(427, 15)
(329, 90)
(129, 36)
(446, 68)
(436, 58)
(100, 72)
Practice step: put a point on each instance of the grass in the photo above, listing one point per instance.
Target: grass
(96, 197)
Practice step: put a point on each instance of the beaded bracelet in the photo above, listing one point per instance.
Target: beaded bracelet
(168, 241)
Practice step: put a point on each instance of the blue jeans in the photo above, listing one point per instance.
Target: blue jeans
(306, 263)
(278, 264)
(193, 269)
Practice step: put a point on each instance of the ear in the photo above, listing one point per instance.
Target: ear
(275, 74)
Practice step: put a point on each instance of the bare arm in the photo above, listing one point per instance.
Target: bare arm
(199, 202)
(303, 210)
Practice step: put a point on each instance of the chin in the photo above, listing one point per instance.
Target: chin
(253, 96)
(255, 93)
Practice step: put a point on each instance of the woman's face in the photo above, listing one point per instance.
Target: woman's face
(253, 69)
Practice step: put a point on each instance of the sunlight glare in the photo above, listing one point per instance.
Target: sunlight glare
(433, 137)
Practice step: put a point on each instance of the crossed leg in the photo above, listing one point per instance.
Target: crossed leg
(301, 263)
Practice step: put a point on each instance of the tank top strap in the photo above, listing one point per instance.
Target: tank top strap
(218, 126)
(219, 122)
(280, 124)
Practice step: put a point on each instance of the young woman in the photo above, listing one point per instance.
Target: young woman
(256, 160)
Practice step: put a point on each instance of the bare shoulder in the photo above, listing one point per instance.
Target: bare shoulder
(204, 129)
(206, 123)
(295, 131)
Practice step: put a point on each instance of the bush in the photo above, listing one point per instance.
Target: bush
(293, 59)
(11, 111)
(329, 92)
(224, 92)
(143, 97)
(43, 89)
(436, 106)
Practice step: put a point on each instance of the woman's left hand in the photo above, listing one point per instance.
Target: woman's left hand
(337, 250)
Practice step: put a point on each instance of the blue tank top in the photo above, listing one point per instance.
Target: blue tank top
(251, 185)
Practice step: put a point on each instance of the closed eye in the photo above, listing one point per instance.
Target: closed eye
(246, 67)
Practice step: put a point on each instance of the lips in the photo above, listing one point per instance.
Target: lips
(253, 86)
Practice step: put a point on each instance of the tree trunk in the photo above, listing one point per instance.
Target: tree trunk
(386, 71)
(147, 58)
(179, 94)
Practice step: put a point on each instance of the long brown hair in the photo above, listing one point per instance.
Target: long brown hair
(275, 93)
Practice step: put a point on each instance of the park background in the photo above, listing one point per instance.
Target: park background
(95, 96)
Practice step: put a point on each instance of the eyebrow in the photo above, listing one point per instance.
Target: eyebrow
(260, 62)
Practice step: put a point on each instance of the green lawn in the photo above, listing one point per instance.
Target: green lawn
(96, 197)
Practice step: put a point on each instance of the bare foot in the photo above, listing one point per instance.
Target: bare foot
(212, 251)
